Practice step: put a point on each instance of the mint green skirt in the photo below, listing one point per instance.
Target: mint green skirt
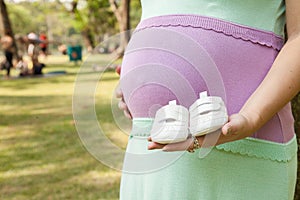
(240, 170)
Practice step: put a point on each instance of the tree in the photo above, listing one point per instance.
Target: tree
(82, 24)
(135, 13)
(122, 13)
(296, 112)
(6, 25)
(93, 21)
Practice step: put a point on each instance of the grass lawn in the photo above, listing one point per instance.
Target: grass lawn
(41, 155)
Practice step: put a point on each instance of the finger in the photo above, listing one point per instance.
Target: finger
(227, 129)
(154, 145)
(122, 105)
(127, 114)
(119, 93)
(232, 125)
(179, 146)
(149, 139)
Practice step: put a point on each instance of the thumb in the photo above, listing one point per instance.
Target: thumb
(226, 129)
(232, 125)
(119, 93)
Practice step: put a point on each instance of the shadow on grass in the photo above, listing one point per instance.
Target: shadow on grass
(27, 83)
(42, 156)
(69, 77)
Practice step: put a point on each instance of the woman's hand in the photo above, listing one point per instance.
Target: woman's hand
(238, 127)
(122, 105)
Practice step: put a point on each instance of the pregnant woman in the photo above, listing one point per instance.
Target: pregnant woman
(232, 49)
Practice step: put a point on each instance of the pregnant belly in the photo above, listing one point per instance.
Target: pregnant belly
(164, 62)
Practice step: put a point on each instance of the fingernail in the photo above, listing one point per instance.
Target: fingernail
(229, 131)
(165, 149)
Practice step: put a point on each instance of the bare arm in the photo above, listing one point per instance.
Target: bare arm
(282, 82)
(279, 86)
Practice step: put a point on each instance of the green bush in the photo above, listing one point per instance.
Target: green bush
(296, 113)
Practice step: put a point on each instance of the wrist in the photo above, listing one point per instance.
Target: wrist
(254, 120)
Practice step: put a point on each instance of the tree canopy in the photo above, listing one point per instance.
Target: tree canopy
(68, 22)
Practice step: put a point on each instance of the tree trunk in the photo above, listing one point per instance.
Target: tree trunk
(88, 40)
(122, 13)
(6, 26)
(125, 25)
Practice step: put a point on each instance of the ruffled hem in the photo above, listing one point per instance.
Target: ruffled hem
(262, 149)
(252, 147)
(253, 35)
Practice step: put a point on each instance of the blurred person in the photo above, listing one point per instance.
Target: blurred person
(22, 66)
(63, 49)
(7, 45)
(33, 53)
(37, 68)
(32, 49)
(43, 43)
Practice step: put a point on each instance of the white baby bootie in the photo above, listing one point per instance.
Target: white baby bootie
(170, 124)
(207, 114)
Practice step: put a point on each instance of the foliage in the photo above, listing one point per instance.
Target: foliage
(27, 17)
(135, 13)
(20, 19)
(296, 112)
(97, 16)
(98, 19)
(92, 17)
(94, 20)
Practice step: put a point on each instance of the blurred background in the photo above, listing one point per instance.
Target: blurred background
(43, 45)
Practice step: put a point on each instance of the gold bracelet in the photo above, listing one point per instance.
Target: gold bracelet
(195, 145)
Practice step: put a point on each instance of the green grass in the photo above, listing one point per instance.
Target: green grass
(41, 155)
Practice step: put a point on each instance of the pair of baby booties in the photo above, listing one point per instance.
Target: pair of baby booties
(173, 123)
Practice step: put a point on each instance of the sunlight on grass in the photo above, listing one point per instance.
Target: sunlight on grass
(41, 155)
(36, 170)
(96, 178)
